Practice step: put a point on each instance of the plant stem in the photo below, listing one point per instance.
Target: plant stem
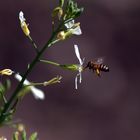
(33, 43)
(46, 83)
(33, 63)
(49, 62)
(3, 98)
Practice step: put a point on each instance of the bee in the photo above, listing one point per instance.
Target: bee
(97, 66)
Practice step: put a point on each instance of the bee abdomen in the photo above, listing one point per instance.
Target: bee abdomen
(104, 68)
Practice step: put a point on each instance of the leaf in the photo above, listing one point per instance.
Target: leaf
(15, 136)
(7, 84)
(4, 87)
(7, 117)
(25, 90)
(72, 10)
(78, 12)
(33, 136)
(23, 135)
(56, 11)
(61, 3)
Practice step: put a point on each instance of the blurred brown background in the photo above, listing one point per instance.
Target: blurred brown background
(106, 108)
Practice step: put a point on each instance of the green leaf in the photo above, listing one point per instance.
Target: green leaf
(23, 135)
(7, 84)
(72, 10)
(15, 136)
(55, 11)
(78, 12)
(4, 87)
(25, 90)
(7, 117)
(61, 3)
(33, 136)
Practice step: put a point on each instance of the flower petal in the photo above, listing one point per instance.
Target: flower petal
(77, 31)
(38, 94)
(19, 78)
(76, 81)
(80, 77)
(78, 54)
(21, 17)
(69, 24)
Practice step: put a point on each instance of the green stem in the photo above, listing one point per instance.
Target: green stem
(33, 43)
(46, 83)
(53, 42)
(3, 98)
(49, 62)
(33, 63)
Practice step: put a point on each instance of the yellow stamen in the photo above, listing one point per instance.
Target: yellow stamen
(6, 72)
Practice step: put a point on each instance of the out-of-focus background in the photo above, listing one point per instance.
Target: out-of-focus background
(103, 108)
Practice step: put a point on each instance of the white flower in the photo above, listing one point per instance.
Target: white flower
(80, 66)
(38, 94)
(69, 24)
(74, 27)
(21, 17)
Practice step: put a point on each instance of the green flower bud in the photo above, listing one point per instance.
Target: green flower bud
(16, 136)
(72, 67)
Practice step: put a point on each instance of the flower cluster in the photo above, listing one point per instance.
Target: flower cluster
(62, 29)
(72, 28)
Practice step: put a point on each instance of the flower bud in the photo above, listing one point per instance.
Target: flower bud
(25, 29)
(23, 24)
(16, 135)
(61, 35)
(72, 67)
(20, 127)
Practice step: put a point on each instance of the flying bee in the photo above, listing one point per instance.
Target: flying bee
(97, 66)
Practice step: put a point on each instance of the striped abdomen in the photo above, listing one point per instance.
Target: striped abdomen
(104, 68)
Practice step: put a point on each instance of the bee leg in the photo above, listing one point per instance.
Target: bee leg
(85, 67)
(99, 75)
(98, 72)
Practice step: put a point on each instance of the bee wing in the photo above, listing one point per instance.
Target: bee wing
(99, 60)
